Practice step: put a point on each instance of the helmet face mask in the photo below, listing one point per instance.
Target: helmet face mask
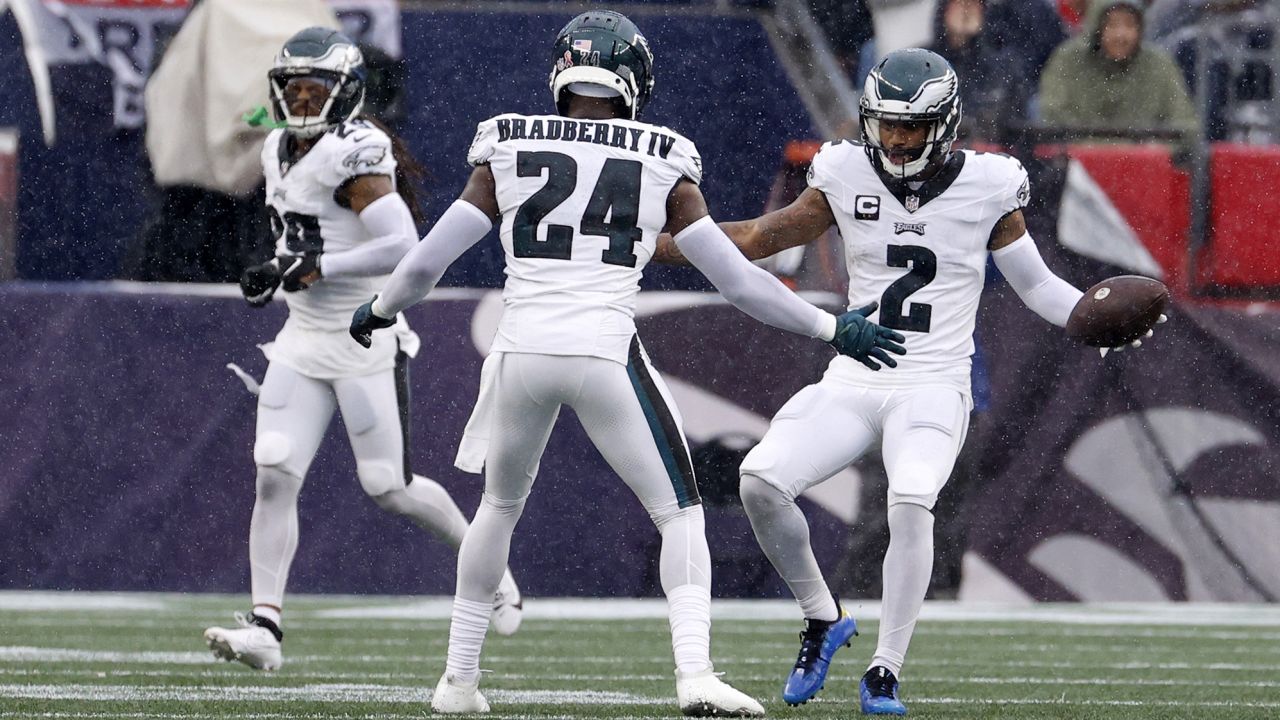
(605, 52)
(315, 59)
(909, 87)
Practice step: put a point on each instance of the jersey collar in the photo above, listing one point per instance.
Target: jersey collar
(913, 200)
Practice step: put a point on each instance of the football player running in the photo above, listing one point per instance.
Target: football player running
(918, 222)
(336, 190)
(580, 198)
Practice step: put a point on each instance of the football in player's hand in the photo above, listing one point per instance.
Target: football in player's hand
(1117, 311)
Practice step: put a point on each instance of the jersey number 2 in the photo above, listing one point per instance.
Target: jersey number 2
(924, 267)
(613, 210)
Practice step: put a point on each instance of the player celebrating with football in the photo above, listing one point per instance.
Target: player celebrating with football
(918, 222)
(336, 193)
(580, 198)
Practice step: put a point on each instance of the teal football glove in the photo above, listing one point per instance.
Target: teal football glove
(865, 341)
(364, 322)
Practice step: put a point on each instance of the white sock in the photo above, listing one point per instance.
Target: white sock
(908, 564)
(689, 609)
(466, 638)
(783, 535)
(269, 613)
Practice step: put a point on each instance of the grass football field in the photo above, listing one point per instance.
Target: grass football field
(141, 656)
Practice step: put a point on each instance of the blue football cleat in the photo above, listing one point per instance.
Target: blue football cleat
(879, 693)
(818, 643)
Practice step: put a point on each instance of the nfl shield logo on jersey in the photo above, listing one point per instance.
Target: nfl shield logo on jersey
(913, 203)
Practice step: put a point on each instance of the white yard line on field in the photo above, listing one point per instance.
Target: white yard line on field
(323, 693)
(27, 655)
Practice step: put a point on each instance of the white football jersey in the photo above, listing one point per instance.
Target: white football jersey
(582, 204)
(305, 217)
(920, 253)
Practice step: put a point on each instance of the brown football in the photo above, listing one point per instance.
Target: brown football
(1118, 311)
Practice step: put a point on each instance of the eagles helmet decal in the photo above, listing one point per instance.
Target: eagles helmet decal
(321, 58)
(605, 49)
(911, 85)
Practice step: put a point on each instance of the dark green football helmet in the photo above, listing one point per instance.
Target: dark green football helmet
(911, 85)
(329, 58)
(602, 54)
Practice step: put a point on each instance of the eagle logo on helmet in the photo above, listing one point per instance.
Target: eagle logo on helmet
(911, 86)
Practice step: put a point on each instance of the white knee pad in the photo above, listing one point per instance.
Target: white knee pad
(271, 449)
(379, 477)
(917, 478)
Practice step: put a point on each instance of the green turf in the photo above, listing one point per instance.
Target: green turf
(61, 660)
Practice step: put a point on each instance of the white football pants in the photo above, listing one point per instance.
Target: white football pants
(294, 412)
(628, 413)
(823, 429)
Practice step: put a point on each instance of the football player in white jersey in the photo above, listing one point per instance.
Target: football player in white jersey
(337, 188)
(918, 222)
(580, 198)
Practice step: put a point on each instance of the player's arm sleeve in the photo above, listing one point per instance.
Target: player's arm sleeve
(1048, 295)
(750, 289)
(390, 225)
(461, 226)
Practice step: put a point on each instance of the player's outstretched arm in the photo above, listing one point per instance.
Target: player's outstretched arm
(1048, 295)
(466, 221)
(1018, 259)
(799, 223)
(763, 296)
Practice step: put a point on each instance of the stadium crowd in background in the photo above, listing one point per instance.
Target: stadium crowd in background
(1108, 79)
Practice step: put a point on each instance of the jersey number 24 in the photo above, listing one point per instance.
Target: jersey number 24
(617, 189)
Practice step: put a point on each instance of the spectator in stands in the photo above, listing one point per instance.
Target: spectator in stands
(993, 91)
(1107, 80)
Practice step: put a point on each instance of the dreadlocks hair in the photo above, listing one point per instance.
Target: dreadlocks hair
(410, 174)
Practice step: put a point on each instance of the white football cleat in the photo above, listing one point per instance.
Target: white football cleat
(508, 606)
(451, 697)
(704, 694)
(251, 644)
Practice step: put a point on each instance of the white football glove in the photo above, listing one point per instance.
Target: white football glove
(1136, 343)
